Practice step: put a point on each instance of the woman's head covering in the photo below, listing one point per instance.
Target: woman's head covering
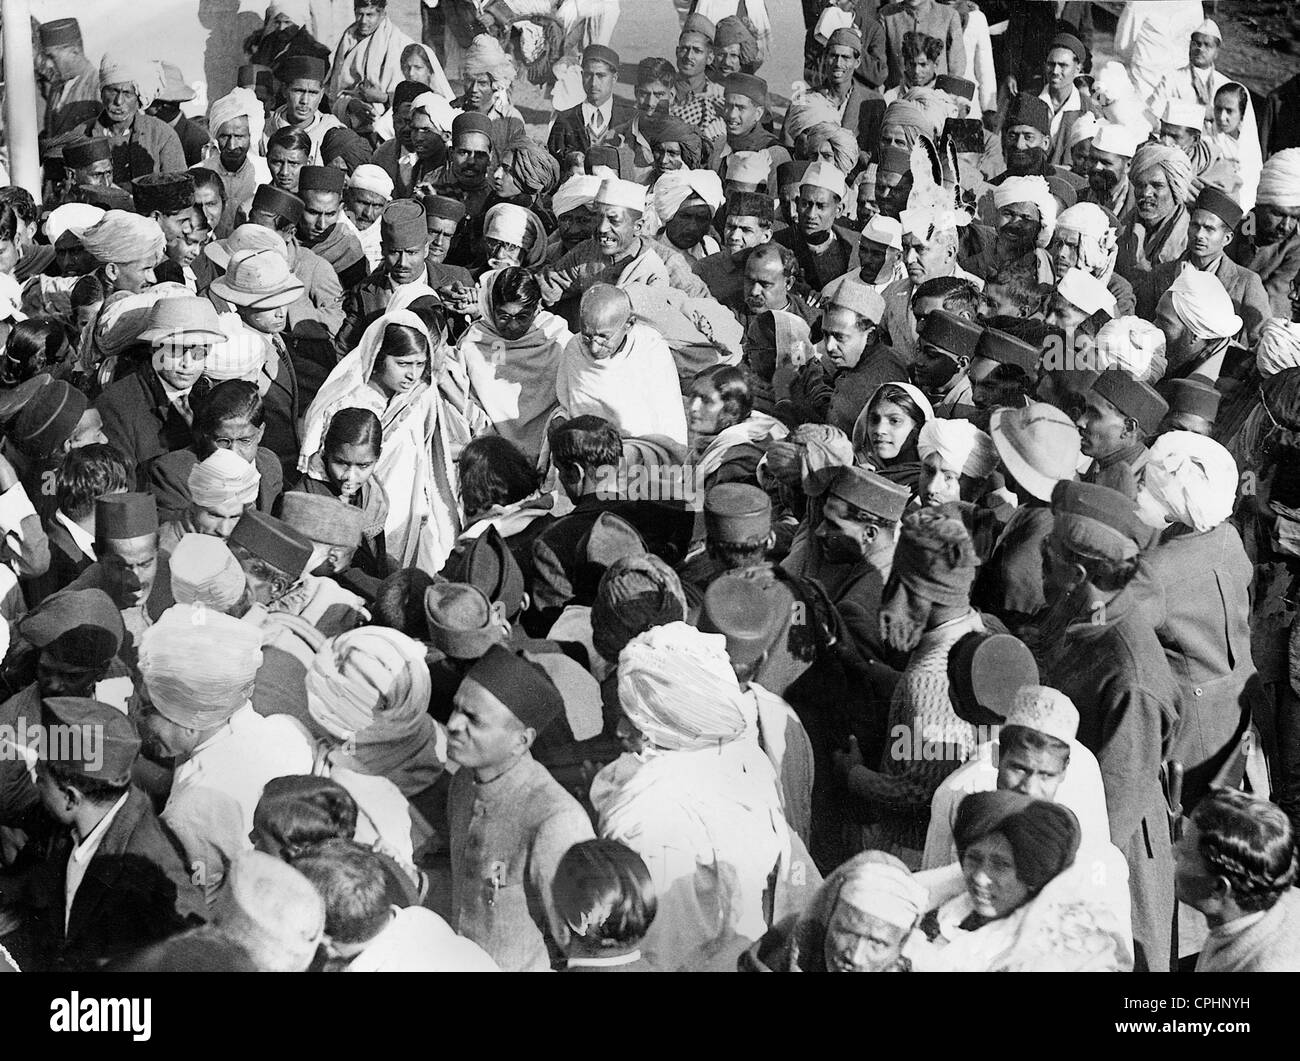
(635, 594)
(905, 468)
(844, 145)
(1043, 836)
(1279, 347)
(1030, 190)
(1135, 345)
(1098, 237)
(128, 68)
(1171, 161)
(222, 478)
(960, 445)
(198, 665)
(1188, 479)
(676, 686)
(486, 56)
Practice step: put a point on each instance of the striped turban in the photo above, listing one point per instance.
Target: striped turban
(198, 665)
(223, 478)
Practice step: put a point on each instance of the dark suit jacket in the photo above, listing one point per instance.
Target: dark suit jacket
(569, 133)
(136, 891)
(862, 117)
(139, 420)
(66, 563)
(194, 138)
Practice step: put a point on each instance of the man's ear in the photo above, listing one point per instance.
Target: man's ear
(963, 363)
(1231, 236)
(112, 271)
(1132, 427)
(527, 735)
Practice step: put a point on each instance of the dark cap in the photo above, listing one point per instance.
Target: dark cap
(1132, 398)
(403, 224)
(1026, 109)
(955, 86)
(847, 37)
(1220, 204)
(750, 204)
(123, 516)
(750, 609)
(408, 92)
(604, 155)
(272, 200)
(105, 748)
(442, 206)
(1101, 503)
(60, 31)
(985, 671)
(80, 627)
(273, 541)
(698, 24)
(460, 620)
(305, 67)
(1062, 191)
(610, 538)
(754, 88)
(48, 420)
(471, 122)
(952, 334)
(1006, 349)
(737, 512)
(110, 198)
(1193, 397)
(791, 172)
(92, 149)
(252, 74)
(166, 193)
(486, 563)
(1069, 40)
(871, 493)
(321, 179)
(523, 687)
(598, 53)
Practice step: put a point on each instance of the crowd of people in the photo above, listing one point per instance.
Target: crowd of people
(709, 532)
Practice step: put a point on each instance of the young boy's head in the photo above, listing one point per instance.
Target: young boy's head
(1229, 106)
(604, 893)
(350, 879)
(921, 54)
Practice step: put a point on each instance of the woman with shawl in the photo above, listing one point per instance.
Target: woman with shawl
(511, 354)
(728, 435)
(1031, 901)
(1086, 238)
(391, 374)
(886, 432)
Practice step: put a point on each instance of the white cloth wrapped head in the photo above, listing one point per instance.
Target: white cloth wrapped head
(121, 237)
(578, 190)
(1098, 241)
(676, 186)
(880, 885)
(1084, 128)
(486, 56)
(198, 665)
(960, 446)
(371, 178)
(1279, 347)
(1204, 305)
(205, 572)
(223, 478)
(71, 217)
(298, 11)
(1188, 479)
(1030, 190)
(439, 111)
(127, 68)
(1083, 290)
(238, 102)
(371, 683)
(241, 356)
(1279, 180)
(747, 167)
(676, 686)
(1135, 345)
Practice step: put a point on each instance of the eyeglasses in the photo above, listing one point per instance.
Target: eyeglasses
(229, 443)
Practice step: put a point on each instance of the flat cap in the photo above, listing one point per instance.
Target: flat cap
(81, 627)
(1132, 398)
(269, 199)
(871, 493)
(598, 53)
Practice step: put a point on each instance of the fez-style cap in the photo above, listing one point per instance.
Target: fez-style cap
(1221, 204)
(273, 541)
(1069, 40)
(985, 671)
(750, 204)
(747, 85)
(166, 193)
(522, 686)
(81, 627)
(698, 24)
(1006, 349)
(951, 333)
(872, 493)
(1101, 503)
(1193, 397)
(323, 518)
(60, 32)
(750, 609)
(598, 53)
(321, 179)
(48, 419)
(122, 516)
(459, 619)
(403, 224)
(955, 86)
(487, 563)
(1026, 109)
(441, 206)
(471, 122)
(269, 199)
(791, 172)
(82, 153)
(303, 67)
(737, 512)
(894, 160)
(108, 744)
(1132, 398)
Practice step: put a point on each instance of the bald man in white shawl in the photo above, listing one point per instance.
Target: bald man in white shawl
(620, 369)
(699, 801)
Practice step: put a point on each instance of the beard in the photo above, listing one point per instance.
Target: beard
(1030, 160)
(1103, 184)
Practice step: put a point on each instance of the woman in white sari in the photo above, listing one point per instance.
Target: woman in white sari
(392, 373)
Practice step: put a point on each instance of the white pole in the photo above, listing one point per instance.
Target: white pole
(20, 97)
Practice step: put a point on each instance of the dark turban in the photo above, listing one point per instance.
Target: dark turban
(734, 30)
(533, 168)
(635, 594)
(1043, 836)
(675, 131)
(351, 147)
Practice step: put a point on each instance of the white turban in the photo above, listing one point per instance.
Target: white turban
(1030, 190)
(676, 186)
(71, 217)
(1084, 128)
(1279, 180)
(578, 190)
(1135, 345)
(486, 56)
(1080, 288)
(297, 10)
(241, 356)
(1188, 479)
(960, 445)
(205, 572)
(121, 237)
(198, 665)
(1279, 347)
(880, 885)
(1204, 305)
(1113, 82)
(223, 478)
(236, 103)
(1098, 241)
(144, 75)
(676, 686)
(371, 178)
(440, 112)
